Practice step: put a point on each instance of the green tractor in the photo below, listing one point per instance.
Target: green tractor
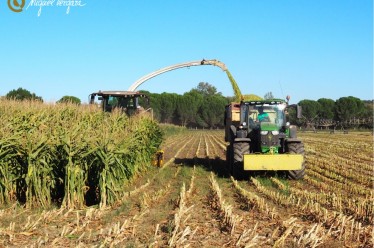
(126, 101)
(262, 139)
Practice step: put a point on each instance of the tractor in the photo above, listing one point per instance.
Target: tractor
(126, 101)
(260, 138)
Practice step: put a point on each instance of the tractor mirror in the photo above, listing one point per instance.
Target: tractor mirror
(100, 98)
(299, 111)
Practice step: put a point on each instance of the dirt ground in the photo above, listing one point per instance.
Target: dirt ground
(193, 202)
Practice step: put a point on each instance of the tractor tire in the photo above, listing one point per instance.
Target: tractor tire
(240, 149)
(296, 148)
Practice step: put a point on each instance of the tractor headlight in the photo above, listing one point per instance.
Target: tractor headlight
(275, 132)
(244, 124)
(264, 132)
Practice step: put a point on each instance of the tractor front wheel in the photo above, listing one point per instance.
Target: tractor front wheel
(240, 149)
(296, 148)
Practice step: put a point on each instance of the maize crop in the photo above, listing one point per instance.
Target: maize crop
(69, 155)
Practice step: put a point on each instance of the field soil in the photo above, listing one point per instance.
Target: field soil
(192, 201)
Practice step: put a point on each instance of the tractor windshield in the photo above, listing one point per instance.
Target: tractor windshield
(266, 113)
(121, 102)
(126, 104)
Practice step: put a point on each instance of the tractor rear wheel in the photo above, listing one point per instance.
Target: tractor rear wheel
(240, 149)
(296, 148)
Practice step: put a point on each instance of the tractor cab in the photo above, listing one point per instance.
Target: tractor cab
(126, 101)
(264, 122)
(257, 115)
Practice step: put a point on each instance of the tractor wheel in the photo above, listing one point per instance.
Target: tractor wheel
(240, 149)
(296, 148)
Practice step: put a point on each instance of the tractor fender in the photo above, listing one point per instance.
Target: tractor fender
(293, 140)
(242, 140)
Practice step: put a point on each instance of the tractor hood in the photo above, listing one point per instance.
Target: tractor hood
(269, 126)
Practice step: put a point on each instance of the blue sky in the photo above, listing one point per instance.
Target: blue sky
(309, 49)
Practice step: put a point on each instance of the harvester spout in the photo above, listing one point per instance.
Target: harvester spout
(235, 87)
(238, 95)
(141, 80)
(215, 63)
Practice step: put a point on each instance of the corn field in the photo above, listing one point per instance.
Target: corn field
(73, 156)
(191, 201)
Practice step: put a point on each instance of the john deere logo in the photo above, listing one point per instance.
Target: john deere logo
(16, 5)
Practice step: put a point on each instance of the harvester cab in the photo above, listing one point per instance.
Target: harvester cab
(261, 138)
(126, 101)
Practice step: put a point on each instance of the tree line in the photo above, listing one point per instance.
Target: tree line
(203, 107)
(21, 94)
(339, 112)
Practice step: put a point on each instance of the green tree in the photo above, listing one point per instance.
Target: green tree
(310, 109)
(188, 106)
(369, 108)
(292, 117)
(70, 99)
(348, 108)
(22, 94)
(206, 89)
(327, 110)
(212, 110)
(369, 112)
(168, 104)
(153, 102)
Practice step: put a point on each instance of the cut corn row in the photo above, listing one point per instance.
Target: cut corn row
(333, 179)
(337, 223)
(219, 142)
(354, 151)
(198, 147)
(250, 238)
(177, 153)
(116, 234)
(229, 219)
(335, 168)
(191, 151)
(254, 200)
(313, 237)
(358, 165)
(212, 145)
(71, 154)
(180, 229)
(172, 141)
(206, 147)
(362, 209)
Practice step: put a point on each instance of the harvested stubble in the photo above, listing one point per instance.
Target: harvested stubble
(70, 155)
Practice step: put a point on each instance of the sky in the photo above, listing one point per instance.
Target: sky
(308, 49)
